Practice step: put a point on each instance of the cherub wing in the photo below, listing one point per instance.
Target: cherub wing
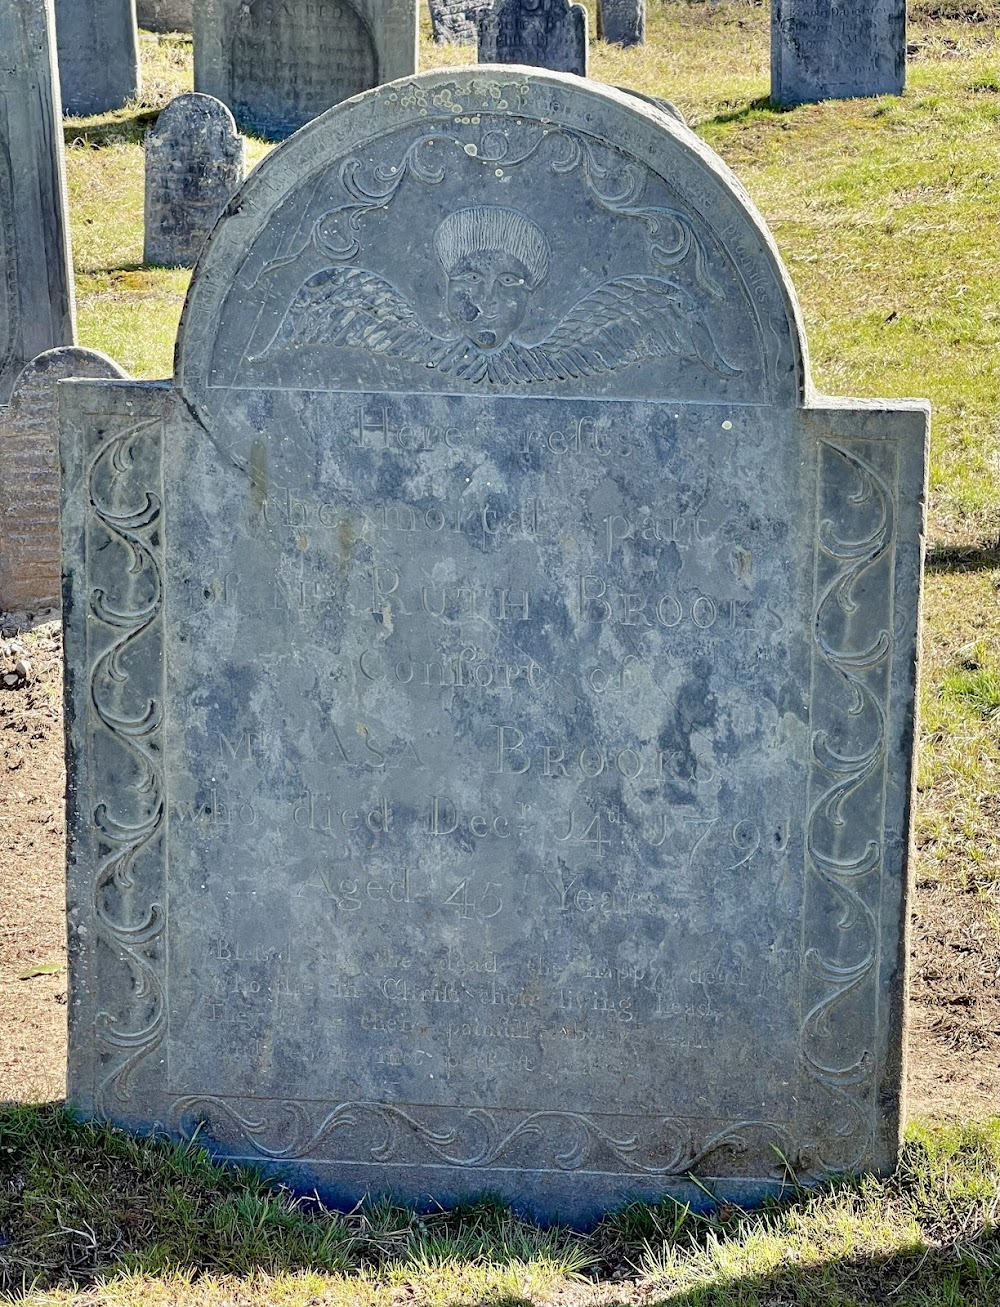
(622, 321)
(354, 307)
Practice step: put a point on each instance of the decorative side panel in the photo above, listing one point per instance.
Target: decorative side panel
(869, 543)
(112, 562)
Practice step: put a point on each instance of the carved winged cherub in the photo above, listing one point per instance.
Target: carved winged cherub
(494, 260)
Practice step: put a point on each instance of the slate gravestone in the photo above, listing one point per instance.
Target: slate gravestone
(824, 51)
(453, 22)
(195, 160)
(36, 288)
(98, 54)
(29, 476)
(493, 770)
(622, 22)
(165, 15)
(544, 33)
(277, 65)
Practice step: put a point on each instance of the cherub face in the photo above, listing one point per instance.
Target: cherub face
(488, 296)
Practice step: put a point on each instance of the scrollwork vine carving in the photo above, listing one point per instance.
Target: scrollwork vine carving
(122, 837)
(479, 1137)
(840, 774)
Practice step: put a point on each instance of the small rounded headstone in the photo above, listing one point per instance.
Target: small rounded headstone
(195, 160)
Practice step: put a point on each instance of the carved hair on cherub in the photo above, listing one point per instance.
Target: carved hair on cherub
(494, 259)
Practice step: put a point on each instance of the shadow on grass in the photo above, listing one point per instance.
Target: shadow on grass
(123, 127)
(962, 558)
(86, 1204)
(763, 105)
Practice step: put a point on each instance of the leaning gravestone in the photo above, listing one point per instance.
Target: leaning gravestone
(622, 22)
(165, 15)
(492, 769)
(544, 33)
(29, 476)
(277, 65)
(824, 51)
(195, 160)
(36, 287)
(98, 54)
(453, 22)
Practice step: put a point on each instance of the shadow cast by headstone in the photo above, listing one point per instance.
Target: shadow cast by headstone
(621, 1262)
(921, 1275)
(963, 558)
(124, 127)
(763, 104)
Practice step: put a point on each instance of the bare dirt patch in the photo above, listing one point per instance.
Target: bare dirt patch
(32, 843)
(954, 1046)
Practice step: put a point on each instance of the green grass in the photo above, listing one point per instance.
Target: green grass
(90, 1215)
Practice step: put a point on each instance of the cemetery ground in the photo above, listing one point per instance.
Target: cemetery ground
(884, 211)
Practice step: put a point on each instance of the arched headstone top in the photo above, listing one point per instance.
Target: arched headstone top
(364, 252)
(194, 109)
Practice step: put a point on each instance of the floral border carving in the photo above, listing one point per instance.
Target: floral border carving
(672, 238)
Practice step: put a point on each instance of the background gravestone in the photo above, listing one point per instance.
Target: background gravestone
(454, 21)
(622, 22)
(278, 65)
(824, 51)
(36, 288)
(165, 15)
(98, 54)
(29, 476)
(492, 770)
(544, 33)
(195, 160)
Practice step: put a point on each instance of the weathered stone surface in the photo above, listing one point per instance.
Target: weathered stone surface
(622, 22)
(36, 288)
(98, 54)
(824, 51)
(278, 65)
(504, 780)
(195, 160)
(165, 15)
(29, 476)
(544, 33)
(454, 21)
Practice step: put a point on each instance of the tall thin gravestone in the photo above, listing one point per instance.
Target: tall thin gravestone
(165, 15)
(195, 160)
(825, 51)
(622, 22)
(36, 287)
(492, 769)
(98, 54)
(29, 476)
(544, 33)
(277, 65)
